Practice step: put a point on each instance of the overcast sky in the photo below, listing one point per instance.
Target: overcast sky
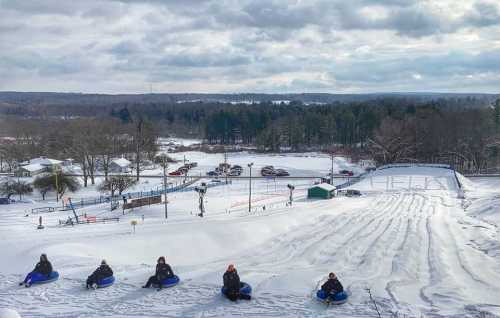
(279, 46)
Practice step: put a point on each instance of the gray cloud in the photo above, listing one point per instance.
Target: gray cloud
(244, 45)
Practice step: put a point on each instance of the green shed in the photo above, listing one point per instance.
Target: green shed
(322, 190)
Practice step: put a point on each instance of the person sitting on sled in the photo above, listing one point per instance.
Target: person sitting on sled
(232, 284)
(163, 271)
(42, 267)
(101, 272)
(332, 286)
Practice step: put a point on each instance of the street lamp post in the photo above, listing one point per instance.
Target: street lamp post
(202, 190)
(291, 188)
(250, 188)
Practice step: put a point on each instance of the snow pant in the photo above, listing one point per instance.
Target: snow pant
(235, 295)
(152, 281)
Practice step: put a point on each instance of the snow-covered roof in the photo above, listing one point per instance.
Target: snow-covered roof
(122, 162)
(42, 161)
(33, 167)
(325, 186)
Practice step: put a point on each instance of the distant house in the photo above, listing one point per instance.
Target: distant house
(30, 170)
(68, 162)
(44, 161)
(322, 190)
(120, 165)
(36, 166)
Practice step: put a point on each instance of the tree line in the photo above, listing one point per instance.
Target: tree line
(454, 131)
(89, 141)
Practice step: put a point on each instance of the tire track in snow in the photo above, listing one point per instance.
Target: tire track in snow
(370, 216)
(406, 265)
(297, 244)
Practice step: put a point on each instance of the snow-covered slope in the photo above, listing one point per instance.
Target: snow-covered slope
(418, 251)
(412, 177)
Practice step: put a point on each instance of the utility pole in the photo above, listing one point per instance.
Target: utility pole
(57, 185)
(165, 184)
(331, 171)
(225, 164)
(250, 188)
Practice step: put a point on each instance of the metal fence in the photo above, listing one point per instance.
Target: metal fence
(79, 203)
(185, 187)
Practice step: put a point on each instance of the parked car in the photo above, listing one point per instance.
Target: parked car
(234, 173)
(212, 173)
(175, 173)
(281, 173)
(267, 173)
(352, 193)
(346, 173)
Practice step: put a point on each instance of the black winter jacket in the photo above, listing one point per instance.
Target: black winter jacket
(231, 281)
(102, 271)
(332, 286)
(43, 267)
(163, 271)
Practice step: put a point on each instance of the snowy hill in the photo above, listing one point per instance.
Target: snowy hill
(416, 248)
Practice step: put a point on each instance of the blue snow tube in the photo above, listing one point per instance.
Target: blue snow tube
(245, 289)
(38, 278)
(105, 282)
(335, 299)
(170, 282)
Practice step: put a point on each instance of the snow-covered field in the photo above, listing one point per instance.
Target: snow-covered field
(420, 251)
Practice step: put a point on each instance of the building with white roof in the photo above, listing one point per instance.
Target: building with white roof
(120, 165)
(33, 167)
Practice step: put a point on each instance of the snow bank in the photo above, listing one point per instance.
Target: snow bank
(8, 313)
(486, 208)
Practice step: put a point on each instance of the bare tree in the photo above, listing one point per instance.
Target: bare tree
(143, 143)
(117, 184)
(393, 141)
(112, 142)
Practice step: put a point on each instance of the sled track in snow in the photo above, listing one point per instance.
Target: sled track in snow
(407, 247)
